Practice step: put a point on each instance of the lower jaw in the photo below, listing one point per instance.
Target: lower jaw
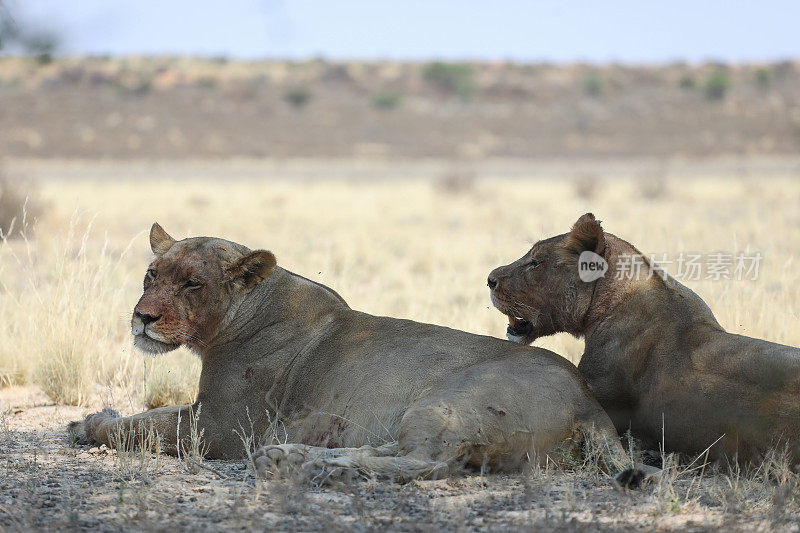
(514, 338)
(152, 346)
(520, 329)
(520, 339)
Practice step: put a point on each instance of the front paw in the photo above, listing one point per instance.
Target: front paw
(274, 458)
(83, 432)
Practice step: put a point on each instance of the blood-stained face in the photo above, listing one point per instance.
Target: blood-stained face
(189, 287)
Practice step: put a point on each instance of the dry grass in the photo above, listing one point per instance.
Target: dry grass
(17, 209)
(54, 330)
(136, 462)
(166, 382)
(409, 249)
(191, 447)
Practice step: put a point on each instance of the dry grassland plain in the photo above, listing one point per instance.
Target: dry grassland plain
(406, 247)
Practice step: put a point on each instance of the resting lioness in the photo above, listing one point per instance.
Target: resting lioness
(392, 397)
(655, 356)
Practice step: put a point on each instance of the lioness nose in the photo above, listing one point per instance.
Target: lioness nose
(492, 283)
(146, 319)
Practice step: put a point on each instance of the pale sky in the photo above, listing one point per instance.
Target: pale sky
(557, 30)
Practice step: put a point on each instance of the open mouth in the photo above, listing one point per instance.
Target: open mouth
(518, 326)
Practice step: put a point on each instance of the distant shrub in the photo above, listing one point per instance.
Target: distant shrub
(336, 74)
(453, 78)
(763, 77)
(129, 85)
(653, 186)
(297, 97)
(717, 85)
(386, 99)
(687, 82)
(41, 45)
(142, 87)
(782, 69)
(37, 42)
(456, 181)
(44, 58)
(586, 186)
(593, 85)
(207, 82)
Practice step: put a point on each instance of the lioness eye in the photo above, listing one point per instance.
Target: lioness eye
(191, 285)
(534, 263)
(151, 274)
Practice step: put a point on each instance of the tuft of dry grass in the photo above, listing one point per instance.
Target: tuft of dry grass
(55, 313)
(136, 460)
(17, 210)
(191, 447)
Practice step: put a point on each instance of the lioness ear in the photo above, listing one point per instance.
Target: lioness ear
(160, 241)
(586, 234)
(251, 269)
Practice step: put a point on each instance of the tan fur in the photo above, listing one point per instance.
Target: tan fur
(655, 355)
(355, 391)
(160, 241)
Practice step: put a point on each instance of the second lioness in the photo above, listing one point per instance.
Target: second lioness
(656, 358)
(392, 397)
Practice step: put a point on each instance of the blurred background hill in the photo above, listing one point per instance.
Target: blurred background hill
(176, 107)
(354, 79)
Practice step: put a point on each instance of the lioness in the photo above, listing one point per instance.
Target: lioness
(392, 397)
(655, 356)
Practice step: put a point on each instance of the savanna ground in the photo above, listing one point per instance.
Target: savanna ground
(418, 245)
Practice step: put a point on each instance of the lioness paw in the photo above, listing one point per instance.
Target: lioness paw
(82, 432)
(314, 464)
(279, 458)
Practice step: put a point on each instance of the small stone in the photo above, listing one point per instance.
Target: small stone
(94, 451)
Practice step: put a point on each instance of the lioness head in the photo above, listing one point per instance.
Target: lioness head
(543, 293)
(190, 286)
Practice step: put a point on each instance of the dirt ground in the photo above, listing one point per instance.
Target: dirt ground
(45, 484)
